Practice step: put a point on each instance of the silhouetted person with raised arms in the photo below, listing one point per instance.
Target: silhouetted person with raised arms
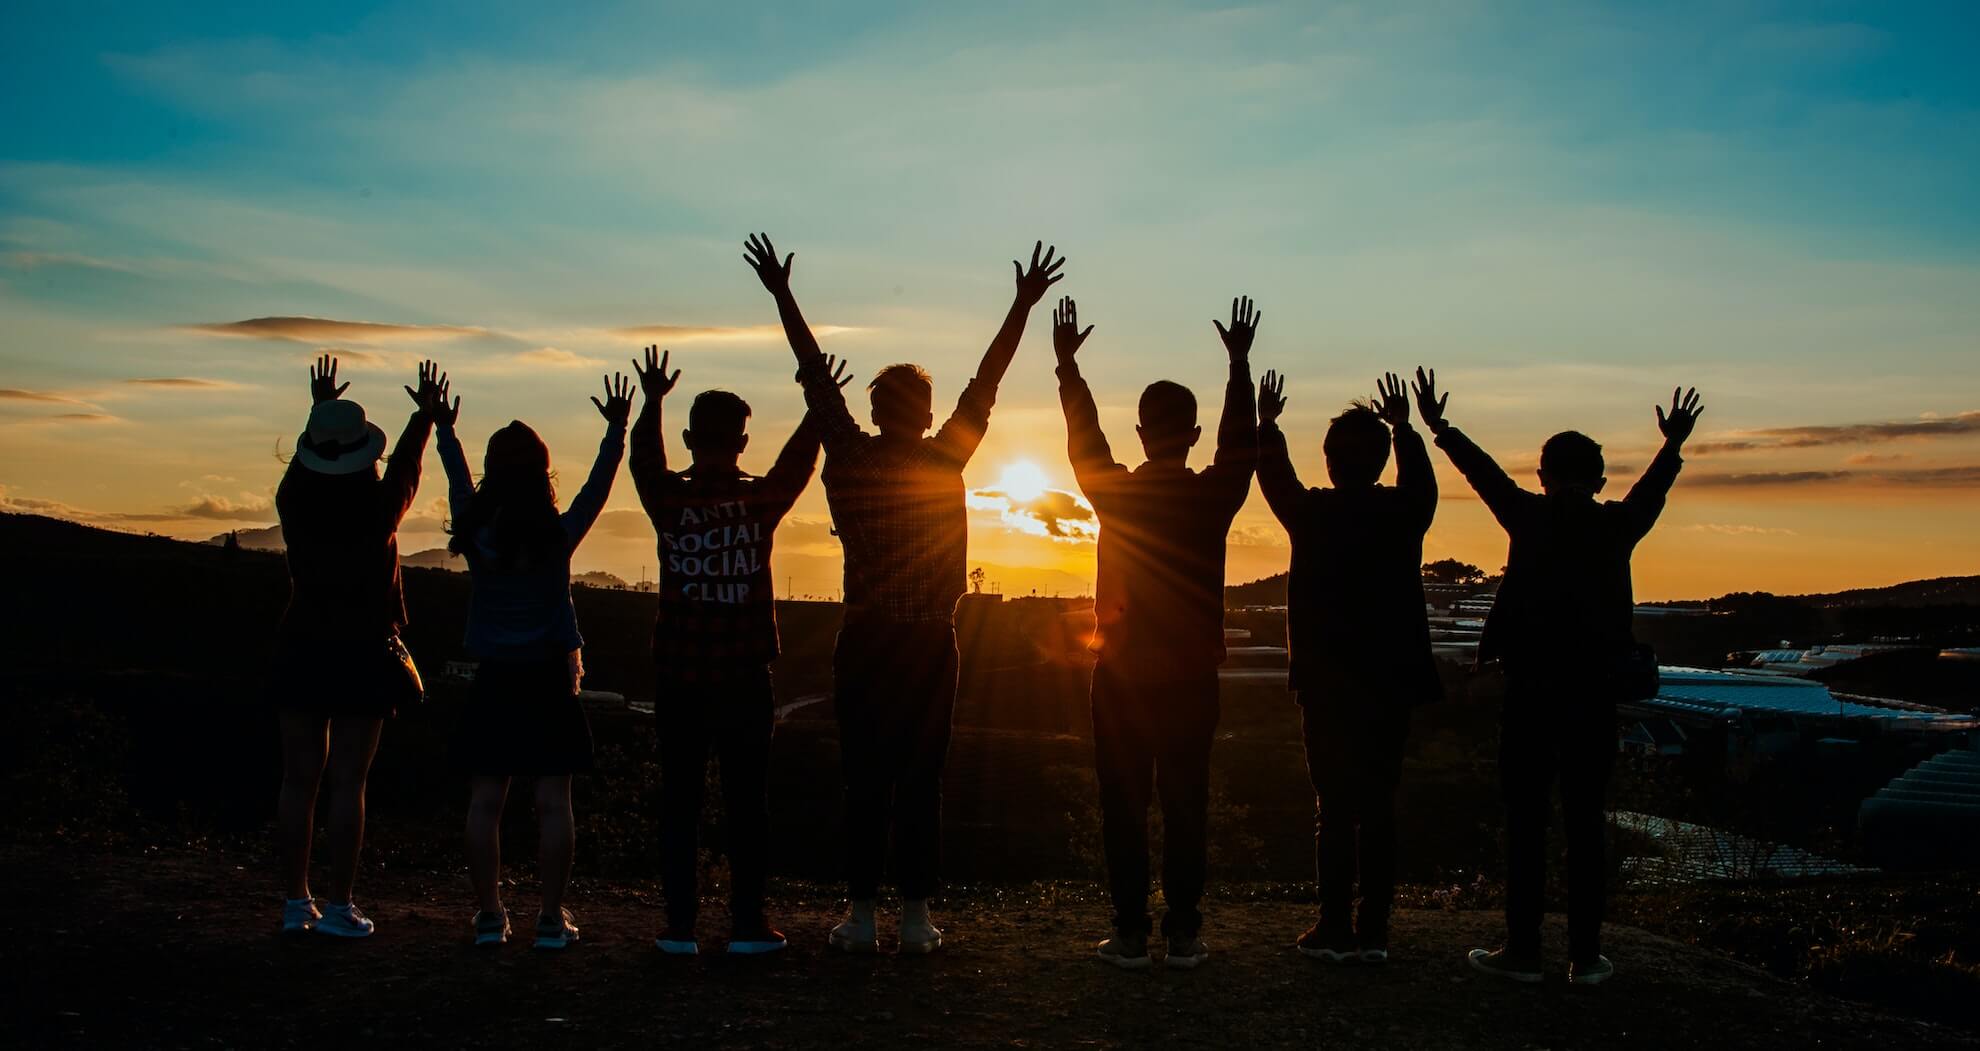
(1360, 645)
(713, 640)
(1560, 627)
(524, 718)
(340, 669)
(1159, 628)
(897, 503)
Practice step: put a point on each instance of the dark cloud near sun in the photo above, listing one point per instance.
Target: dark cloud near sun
(1053, 509)
(316, 330)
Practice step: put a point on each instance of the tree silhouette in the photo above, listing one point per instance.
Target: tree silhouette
(1451, 571)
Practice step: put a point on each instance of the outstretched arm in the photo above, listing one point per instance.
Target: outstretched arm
(590, 500)
(822, 392)
(1493, 485)
(1093, 461)
(401, 475)
(1415, 479)
(787, 477)
(1276, 477)
(1237, 431)
(649, 439)
(964, 429)
(1646, 498)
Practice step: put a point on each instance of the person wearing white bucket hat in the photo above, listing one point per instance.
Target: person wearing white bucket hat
(340, 670)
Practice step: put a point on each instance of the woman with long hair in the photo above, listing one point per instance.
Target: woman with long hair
(341, 670)
(524, 718)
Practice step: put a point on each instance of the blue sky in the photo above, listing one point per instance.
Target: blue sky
(1566, 208)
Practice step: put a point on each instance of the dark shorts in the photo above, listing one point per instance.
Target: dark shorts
(522, 720)
(366, 679)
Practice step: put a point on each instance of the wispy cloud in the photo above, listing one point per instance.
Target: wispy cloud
(41, 396)
(302, 329)
(1738, 529)
(247, 509)
(182, 383)
(1950, 477)
(1805, 437)
(723, 333)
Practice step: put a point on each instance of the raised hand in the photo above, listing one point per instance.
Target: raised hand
(1428, 404)
(323, 380)
(617, 406)
(431, 395)
(1685, 409)
(1244, 326)
(1066, 334)
(654, 382)
(1391, 402)
(761, 256)
(1271, 397)
(833, 367)
(1043, 274)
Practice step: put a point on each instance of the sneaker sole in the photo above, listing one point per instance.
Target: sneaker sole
(920, 948)
(1591, 979)
(555, 943)
(491, 939)
(1326, 955)
(674, 948)
(853, 948)
(1522, 977)
(1375, 956)
(1184, 963)
(1129, 963)
(339, 932)
(756, 948)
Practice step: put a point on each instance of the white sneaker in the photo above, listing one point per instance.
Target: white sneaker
(1186, 953)
(344, 921)
(299, 915)
(855, 936)
(556, 932)
(920, 939)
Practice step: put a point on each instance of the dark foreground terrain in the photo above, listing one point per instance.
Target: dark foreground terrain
(175, 949)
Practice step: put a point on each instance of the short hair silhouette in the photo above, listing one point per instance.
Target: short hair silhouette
(1357, 446)
(903, 398)
(718, 414)
(1572, 458)
(1168, 418)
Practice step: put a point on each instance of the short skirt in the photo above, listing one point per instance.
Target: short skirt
(522, 720)
(366, 679)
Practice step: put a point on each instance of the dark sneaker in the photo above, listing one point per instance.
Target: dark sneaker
(1591, 973)
(1126, 951)
(1186, 953)
(855, 937)
(1374, 954)
(491, 928)
(756, 941)
(920, 939)
(556, 932)
(1500, 965)
(677, 941)
(1320, 945)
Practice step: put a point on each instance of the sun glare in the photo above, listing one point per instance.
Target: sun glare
(1022, 481)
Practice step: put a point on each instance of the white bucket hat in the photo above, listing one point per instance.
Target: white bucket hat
(339, 439)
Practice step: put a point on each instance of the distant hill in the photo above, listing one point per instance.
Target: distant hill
(434, 558)
(1938, 591)
(266, 538)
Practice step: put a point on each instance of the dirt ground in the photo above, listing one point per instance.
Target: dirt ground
(176, 949)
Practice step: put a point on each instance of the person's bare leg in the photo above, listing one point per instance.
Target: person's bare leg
(353, 744)
(486, 795)
(305, 741)
(559, 831)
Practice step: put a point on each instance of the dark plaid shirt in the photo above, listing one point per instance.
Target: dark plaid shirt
(898, 506)
(717, 615)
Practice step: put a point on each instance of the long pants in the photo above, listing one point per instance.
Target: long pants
(1549, 732)
(734, 718)
(895, 694)
(1159, 731)
(1354, 752)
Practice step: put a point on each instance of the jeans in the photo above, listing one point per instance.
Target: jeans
(1354, 752)
(1551, 732)
(1154, 730)
(895, 694)
(734, 719)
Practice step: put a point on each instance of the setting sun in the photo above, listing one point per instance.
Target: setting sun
(1023, 481)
